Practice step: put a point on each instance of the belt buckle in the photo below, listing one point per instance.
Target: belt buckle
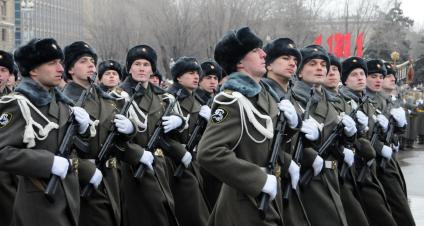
(159, 152)
(277, 170)
(111, 163)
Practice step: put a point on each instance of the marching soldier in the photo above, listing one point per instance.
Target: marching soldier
(349, 192)
(238, 158)
(354, 77)
(110, 75)
(391, 176)
(208, 86)
(322, 196)
(103, 206)
(149, 199)
(8, 181)
(191, 205)
(282, 60)
(36, 115)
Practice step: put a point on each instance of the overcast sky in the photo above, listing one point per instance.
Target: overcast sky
(414, 10)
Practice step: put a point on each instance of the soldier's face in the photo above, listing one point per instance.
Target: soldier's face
(356, 80)
(154, 80)
(284, 66)
(83, 68)
(314, 71)
(209, 83)
(48, 74)
(11, 81)
(189, 80)
(375, 82)
(333, 78)
(4, 76)
(253, 63)
(141, 70)
(110, 79)
(389, 82)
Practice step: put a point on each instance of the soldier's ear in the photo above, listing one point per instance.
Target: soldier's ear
(269, 68)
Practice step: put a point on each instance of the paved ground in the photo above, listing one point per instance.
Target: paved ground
(411, 162)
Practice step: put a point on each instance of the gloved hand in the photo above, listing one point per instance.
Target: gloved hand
(60, 167)
(289, 113)
(82, 118)
(317, 165)
(383, 122)
(270, 186)
(147, 159)
(205, 112)
(310, 129)
(349, 156)
(386, 152)
(399, 115)
(362, 119)
(96, 178)
(123, 124)
(349, 125)
(171, 122)
(294, 171)
(186, 160)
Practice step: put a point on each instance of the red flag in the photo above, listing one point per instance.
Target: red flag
(346, 45)
(318, 40)
(338, 49)
(360, 44)
(330, 43)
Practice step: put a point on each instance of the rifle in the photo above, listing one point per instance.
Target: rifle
(194, 139)
(323, 151)
(270, 167)
(68, 140)
(155, 138)
(109, 144)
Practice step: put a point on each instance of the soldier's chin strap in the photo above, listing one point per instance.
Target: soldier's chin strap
(246, 107)
(30, 134)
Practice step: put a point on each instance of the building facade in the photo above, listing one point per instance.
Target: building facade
(7, 24)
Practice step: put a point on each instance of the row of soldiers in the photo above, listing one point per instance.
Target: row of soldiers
(281, 143)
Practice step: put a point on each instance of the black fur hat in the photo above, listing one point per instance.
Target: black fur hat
(35, 53)
(185, 64)
(390, 69)
(376, 66)
(234, 46)
(158, 75)
(280, 47)
(313, 52)
(109, 65)
(351, 64)
(74, 52)
(335, 62)
(142, 52)
(6, 60)
(210, 67)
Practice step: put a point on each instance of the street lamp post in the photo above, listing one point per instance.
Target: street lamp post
(26, 7)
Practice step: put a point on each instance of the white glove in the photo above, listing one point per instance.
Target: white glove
(147, 159)
(171, 122)
(270, 186)
(317, 165)
(82, 118)
(289, 112)
(399, 115)
(60, 167)
(383, 122)
(205, 112)
(349, 125)
(294, 171)
(96, 178)
(123, 124)
(186, 160)
(362, 119)
(310, 129)
(386, 152)
(349, 156)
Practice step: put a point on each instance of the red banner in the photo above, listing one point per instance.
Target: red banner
(346, 45)
(360, 45)
(318, 40)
